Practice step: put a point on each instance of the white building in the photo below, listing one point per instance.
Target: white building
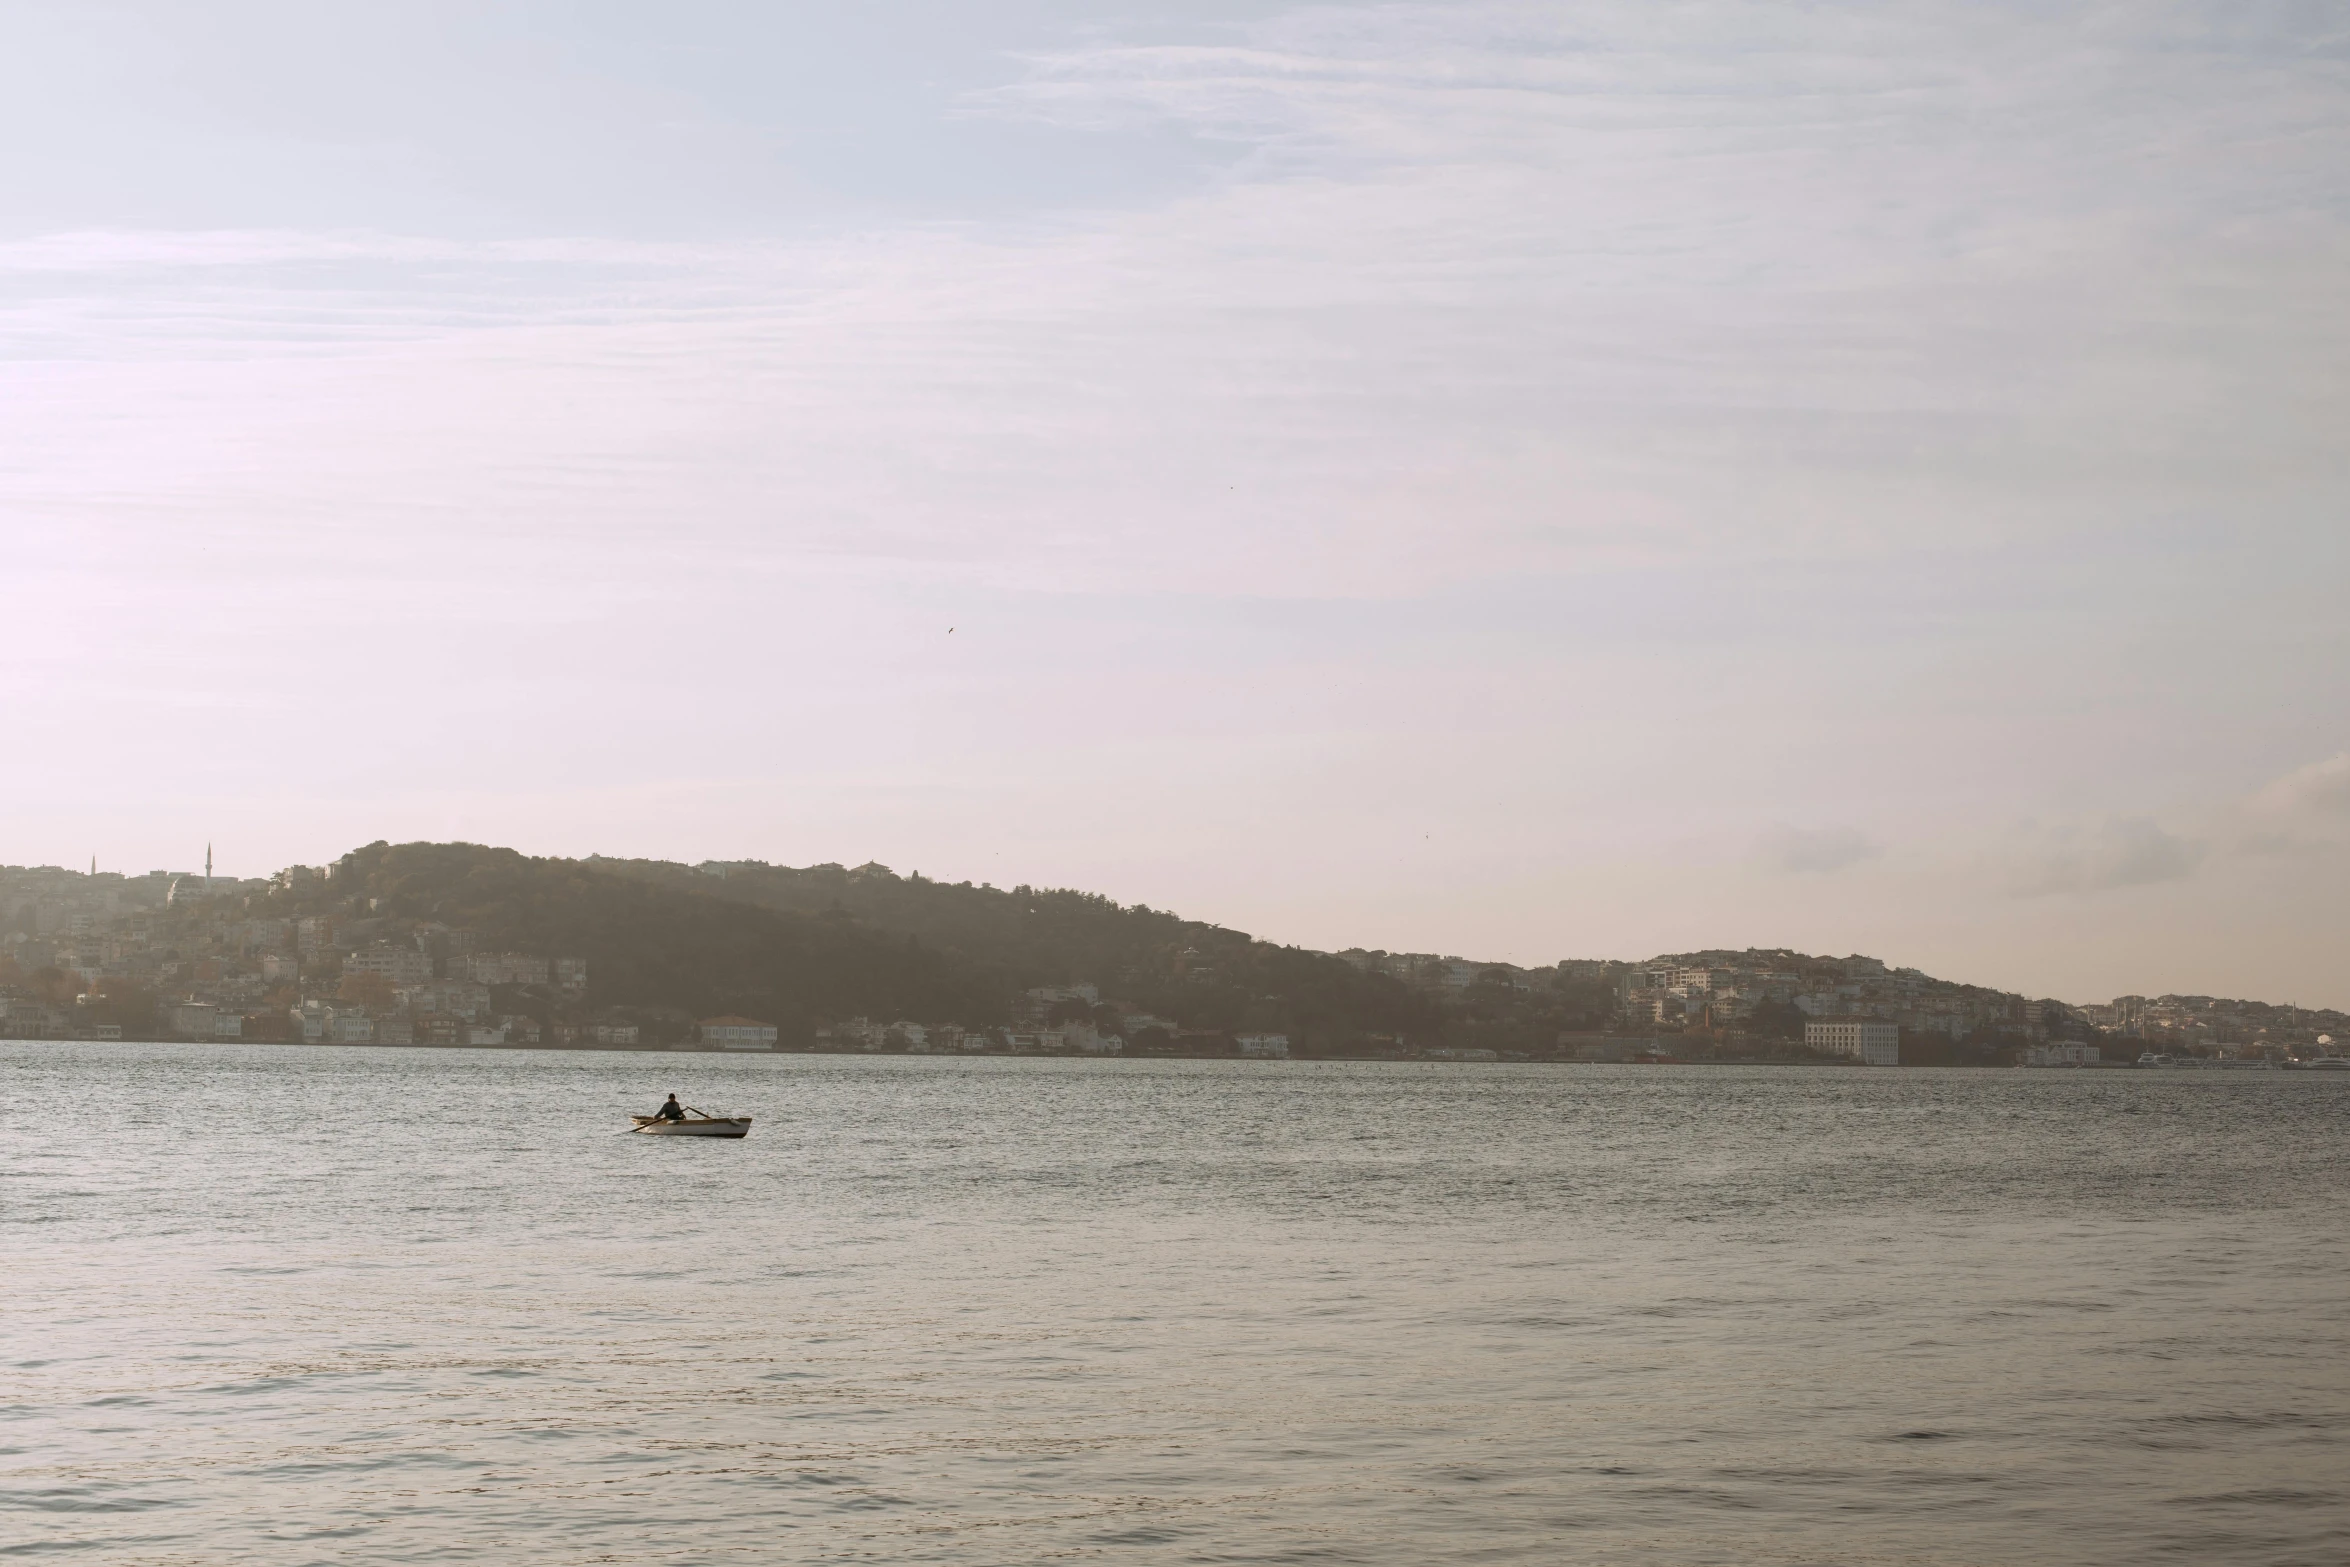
(2062, 1053)
(1037, 1005)
(400, 965)
(571, 975)
(1266, 1045)
(457, 997)
(737, 1033)
(1083, 1036)
(506, 968)
(1869, 1040)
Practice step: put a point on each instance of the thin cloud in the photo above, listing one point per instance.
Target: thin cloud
(2269, 845)
(2321, 789)
(1797, 851)
(2131, 852)
(1614, 285)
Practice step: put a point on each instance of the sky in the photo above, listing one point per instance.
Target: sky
(1519, 480)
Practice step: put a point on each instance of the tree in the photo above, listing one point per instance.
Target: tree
(372, 991)
(120, 1002)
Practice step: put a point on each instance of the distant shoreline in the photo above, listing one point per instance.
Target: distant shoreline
(1004, 1055)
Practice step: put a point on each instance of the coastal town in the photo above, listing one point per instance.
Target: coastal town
(291, 959)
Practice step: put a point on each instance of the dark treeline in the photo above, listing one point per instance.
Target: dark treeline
(651, 946)
(1004, 941)
(800, 946)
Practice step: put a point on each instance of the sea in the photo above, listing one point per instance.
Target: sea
(355, 1305)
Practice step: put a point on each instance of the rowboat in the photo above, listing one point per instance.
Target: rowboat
(694, 1126)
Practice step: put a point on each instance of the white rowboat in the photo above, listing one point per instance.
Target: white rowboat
(694, 1126)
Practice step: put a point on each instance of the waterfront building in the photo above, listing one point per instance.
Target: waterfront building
(1871, 1041)
(2062, 1053)
(737, 1033)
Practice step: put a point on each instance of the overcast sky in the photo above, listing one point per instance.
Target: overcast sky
(1526, 481)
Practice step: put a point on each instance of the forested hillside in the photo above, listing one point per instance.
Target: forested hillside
(458, 943)
(798, 947)
(655, 946)
(1201, 975)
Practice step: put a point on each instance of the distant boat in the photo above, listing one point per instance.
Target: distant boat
(694, 1126)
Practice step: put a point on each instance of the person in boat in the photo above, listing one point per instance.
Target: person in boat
(672, 1111)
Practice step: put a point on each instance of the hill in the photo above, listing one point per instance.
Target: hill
(1197, 974)
(382, 933)
(648, 946)
(802, 946)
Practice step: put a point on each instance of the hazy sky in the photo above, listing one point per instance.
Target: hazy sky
(1518, 480)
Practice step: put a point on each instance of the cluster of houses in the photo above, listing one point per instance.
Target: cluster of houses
(1050, 1020)
(92, 938)
(1724, 989)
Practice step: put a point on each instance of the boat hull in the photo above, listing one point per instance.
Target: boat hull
(699, 1126)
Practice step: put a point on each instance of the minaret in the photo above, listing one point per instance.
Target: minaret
(208, 867)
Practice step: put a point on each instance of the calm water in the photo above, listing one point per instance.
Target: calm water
(359, 1306)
